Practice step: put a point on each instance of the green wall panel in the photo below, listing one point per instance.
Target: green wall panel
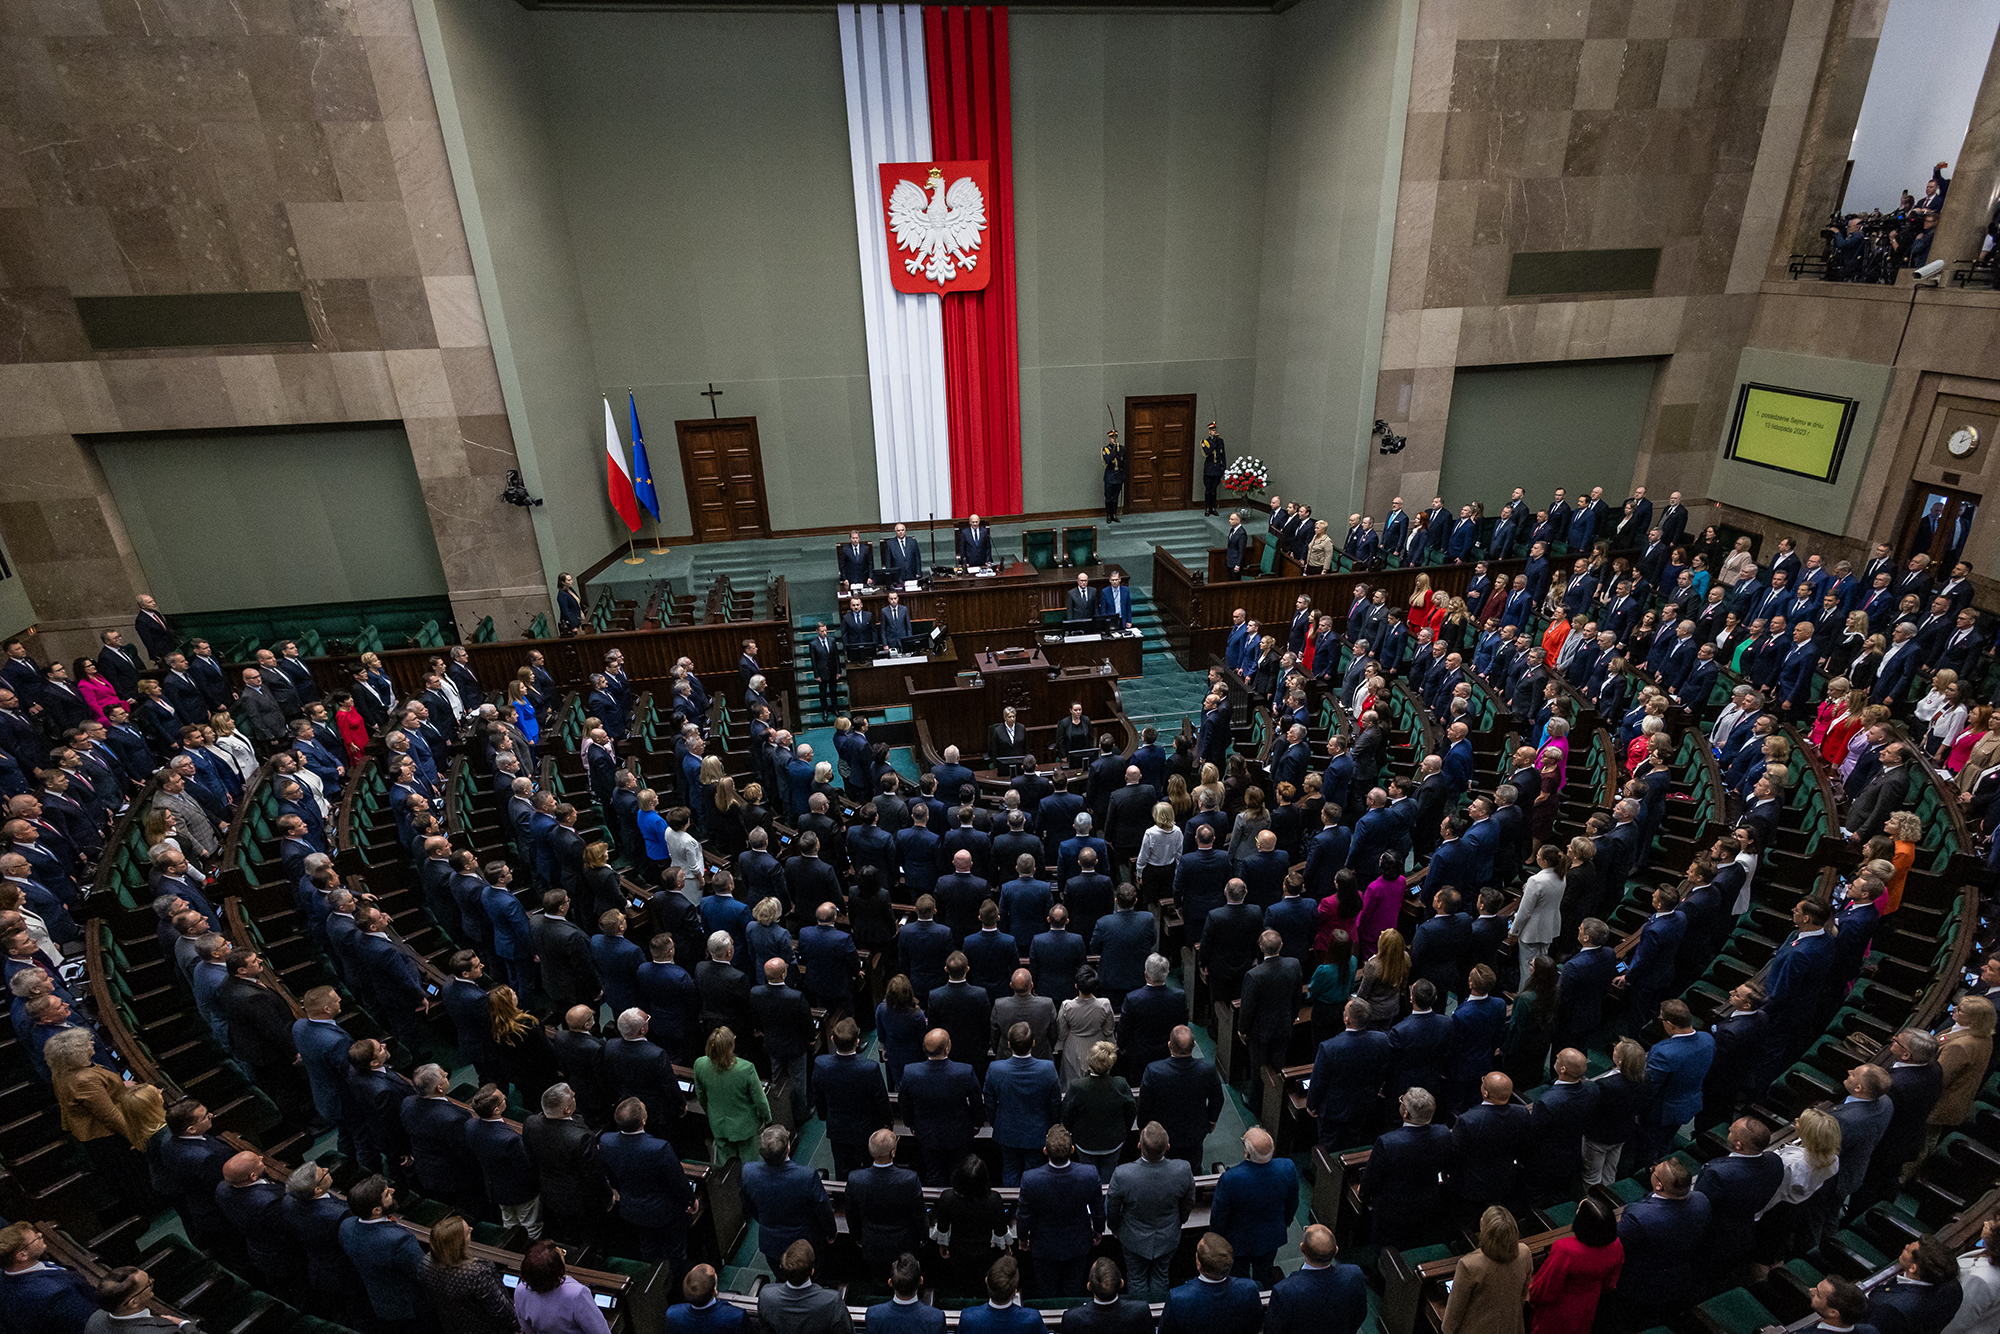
(336, 514)
(1574, 425)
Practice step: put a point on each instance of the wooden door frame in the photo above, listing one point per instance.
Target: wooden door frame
(1913, 513)
(687, 471)
(1183, 501)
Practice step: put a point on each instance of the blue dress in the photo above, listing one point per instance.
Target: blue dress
(524, 716)
(902, 1033)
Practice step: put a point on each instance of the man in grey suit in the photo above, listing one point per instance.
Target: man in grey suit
(1023, 1006)
(1864, 1118)
(1148, 1202)
(258, 709)
(124, 1301)
(798, 1305)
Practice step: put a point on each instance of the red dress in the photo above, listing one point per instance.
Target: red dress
(353, 732)
(1565, 1291)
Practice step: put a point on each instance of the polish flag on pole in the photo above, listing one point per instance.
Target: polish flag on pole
(623, 498)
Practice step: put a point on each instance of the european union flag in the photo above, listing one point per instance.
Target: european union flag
(642, 469)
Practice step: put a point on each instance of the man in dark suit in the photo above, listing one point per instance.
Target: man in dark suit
(569, 974)
(922, 947)
(576, 1195)
(1737, 1186)
(1420, 1042)
(187, 1161)
(725, 989)
(1184, 1094)
(389, 1259)
(975, 543)
(1915, 1084)
(1270, 1006)
(1438, 951)
(1082, 600)
(1581, 984)
(1348, 1073)
(1213, 1302)
(1924, 1293)
(464, 1003)
(849, 1095)
(1060, 1216)
(903, 557)
(885, 1206)
(1254, 1204)
(654, 1196)
(959, 895)
(1556, 1127)
(1228, 946)
(1237, 549)
(504, 1166)
(637, 1067)
(1128, 815)
(435, 1127)
(1320, 1296)
(1401, 1183)
(1662, 1235)
(1148, 1016)
(260, 1030)
(1489, 1142)
(785, 1198)
(1112, 1309)
(941, 1101)
(856, 560)
(824, 651)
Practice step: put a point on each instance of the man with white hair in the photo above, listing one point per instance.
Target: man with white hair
(1255, 1202)
(950, 775)
(638, 1068)
(436, 1126)
(576, 1194)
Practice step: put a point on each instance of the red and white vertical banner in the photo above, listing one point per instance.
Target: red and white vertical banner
(888, 120)
(930, 141)
(965, 54)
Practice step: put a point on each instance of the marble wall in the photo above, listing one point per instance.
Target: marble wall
(151, 147)
(1591, 124)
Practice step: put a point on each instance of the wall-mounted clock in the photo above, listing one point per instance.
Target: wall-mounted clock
(1963, 441)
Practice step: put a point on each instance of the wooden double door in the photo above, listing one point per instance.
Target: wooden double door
(724, 471)
(1159, 451)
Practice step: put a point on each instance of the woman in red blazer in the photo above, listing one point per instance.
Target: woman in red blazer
(353, 727)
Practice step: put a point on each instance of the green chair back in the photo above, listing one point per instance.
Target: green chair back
(1080, 545)
(1038, 547)
(1270, 557)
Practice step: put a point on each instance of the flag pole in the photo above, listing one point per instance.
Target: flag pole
(632, 557)
(658, 549)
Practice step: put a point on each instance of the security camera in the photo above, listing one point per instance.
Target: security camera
(1931, 270)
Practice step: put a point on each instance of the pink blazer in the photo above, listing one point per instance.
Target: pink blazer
(99, 695)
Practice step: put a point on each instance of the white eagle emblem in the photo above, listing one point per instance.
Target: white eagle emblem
(942, 231)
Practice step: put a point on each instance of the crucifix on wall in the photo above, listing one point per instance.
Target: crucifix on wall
(711, 394)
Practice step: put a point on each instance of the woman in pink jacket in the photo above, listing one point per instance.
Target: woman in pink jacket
(97, 692)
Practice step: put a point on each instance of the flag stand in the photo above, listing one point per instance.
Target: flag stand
(633, 558)
(658, 549)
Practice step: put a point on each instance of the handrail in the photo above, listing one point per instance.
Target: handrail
(232, 842)
(242, 936)
(121, 830)
(123, 1041)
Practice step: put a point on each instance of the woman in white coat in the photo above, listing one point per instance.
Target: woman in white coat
(1539, 918)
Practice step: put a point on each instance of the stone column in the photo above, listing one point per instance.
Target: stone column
(1968, 204)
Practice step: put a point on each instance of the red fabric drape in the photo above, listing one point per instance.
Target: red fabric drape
(965, 54)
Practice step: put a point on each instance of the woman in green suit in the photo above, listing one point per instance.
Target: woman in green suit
(732, 1095)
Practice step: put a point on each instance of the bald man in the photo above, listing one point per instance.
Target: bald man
(249, 1203)
(885, 1206)
(1321, 1296)
(1255, 1202)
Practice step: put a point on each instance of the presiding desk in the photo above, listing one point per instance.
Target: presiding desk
(1040, 693)
(1011, 597)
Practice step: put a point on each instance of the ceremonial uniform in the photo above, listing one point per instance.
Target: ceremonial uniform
(1114, 477)
(1211, 470)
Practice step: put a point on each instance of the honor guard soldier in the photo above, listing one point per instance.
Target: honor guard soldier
(1211, 468)
(1114, 475)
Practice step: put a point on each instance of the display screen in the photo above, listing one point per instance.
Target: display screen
(1790, 430)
